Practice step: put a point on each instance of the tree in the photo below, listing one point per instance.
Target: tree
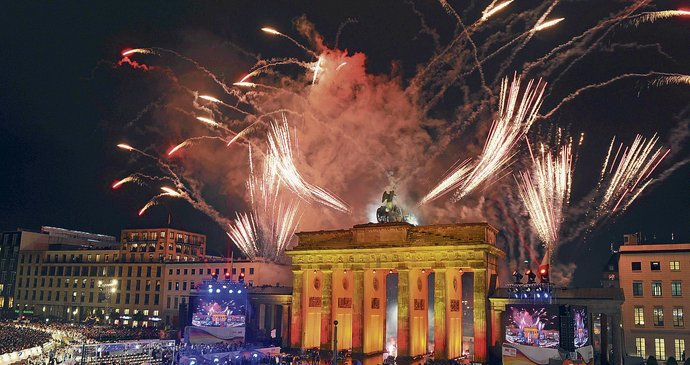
(671, 361)
(687, 361)
(651, 360)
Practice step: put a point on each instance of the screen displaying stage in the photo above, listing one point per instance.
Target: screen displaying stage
(217, 313)
(208, 312)
(581, 324)
(533, 325)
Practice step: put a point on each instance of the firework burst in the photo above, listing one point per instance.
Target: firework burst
(280, 155)
(515, 116)
(545, 191)
(628, 173)
(332, 93)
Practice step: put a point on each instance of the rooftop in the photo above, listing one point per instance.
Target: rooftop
(385, 235)
(655, 247)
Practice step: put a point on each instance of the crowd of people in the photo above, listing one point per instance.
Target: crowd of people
(14, 337)
(202, 349)
(88, 333)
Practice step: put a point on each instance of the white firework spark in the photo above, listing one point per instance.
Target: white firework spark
(545, 192)
(280, 154)
(624, 176)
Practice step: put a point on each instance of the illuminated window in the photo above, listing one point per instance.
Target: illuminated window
(658, 314)
(656, 288)
(678, 317)
(675, 265)
(659, 348)
(639, 316)
(679, 345)
(676, 289)
(637, 288)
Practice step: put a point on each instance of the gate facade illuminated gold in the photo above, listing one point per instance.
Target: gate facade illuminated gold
(341, 275)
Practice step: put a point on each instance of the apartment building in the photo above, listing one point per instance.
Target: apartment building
(161, 244)
(134, 288)
(655, 280)
(12, 242)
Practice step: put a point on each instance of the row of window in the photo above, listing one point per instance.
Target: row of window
(153, 236)
(657, 289)
(161, 258)
(28, 258)
(151, 247)
(95, 271)
(658, 316)
(656, 265)
(209, 271)
(77, 258)
(660, 348)
(109, 272)
(81, 297)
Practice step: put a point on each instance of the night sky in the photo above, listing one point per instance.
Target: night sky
(63, 106)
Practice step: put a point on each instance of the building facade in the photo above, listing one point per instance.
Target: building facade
(342, 276)
(11, 243)
(161, 244)
(655, 279)
(131, 283)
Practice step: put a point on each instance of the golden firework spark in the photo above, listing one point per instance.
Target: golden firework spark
(208, 121)
(176, 148)
(271, 31)
(244, 84)
(128, 52)
(125, 147)
(119, 183)
(488, 12)
(547, 24)
(170, 191)
(209, 98)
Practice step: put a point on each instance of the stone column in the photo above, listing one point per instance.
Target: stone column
(480, 339)
(357, 311)
(270, 318)
(616, 339)
(284, 325)
(440, 333)
(261, 316)
(326, 310)
(403, 313)
(296, 315)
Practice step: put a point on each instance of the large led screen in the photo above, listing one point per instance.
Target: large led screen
(214, 312)
(580, 322)
(532, 325)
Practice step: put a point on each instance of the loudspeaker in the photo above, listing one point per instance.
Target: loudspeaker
(567, 329)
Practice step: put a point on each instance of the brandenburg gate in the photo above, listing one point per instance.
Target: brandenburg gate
(341, 275)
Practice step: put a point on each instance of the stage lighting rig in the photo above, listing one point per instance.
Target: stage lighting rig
(517, 276)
